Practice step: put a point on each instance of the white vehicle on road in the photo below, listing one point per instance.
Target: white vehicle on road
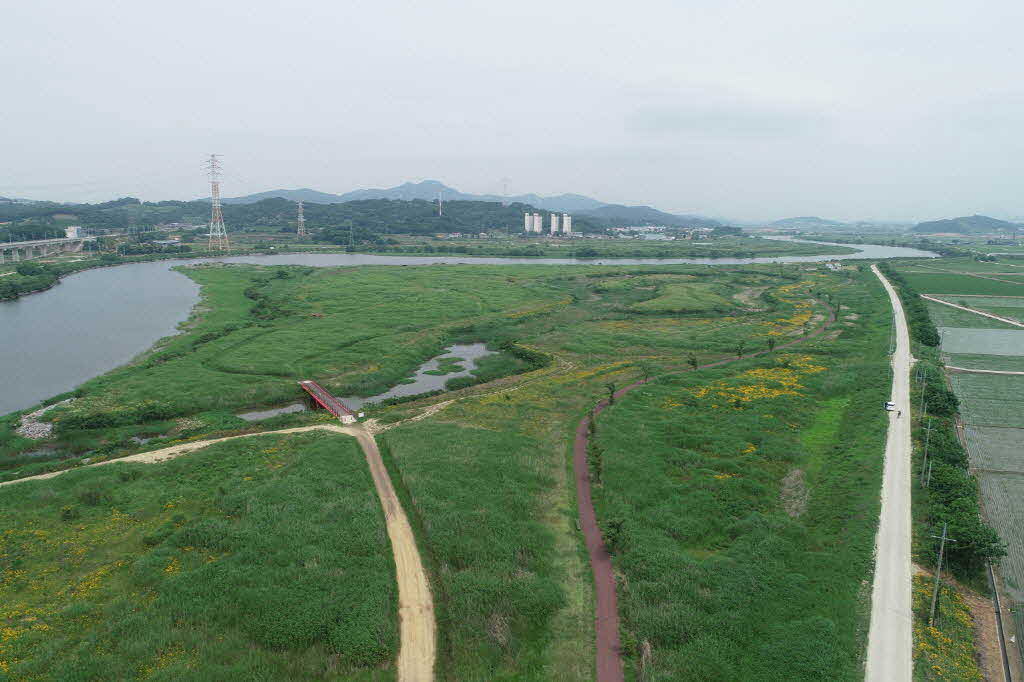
(890, 406)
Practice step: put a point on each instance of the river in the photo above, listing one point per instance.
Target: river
(96, 320)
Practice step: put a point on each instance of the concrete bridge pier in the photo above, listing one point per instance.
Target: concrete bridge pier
(15, 252)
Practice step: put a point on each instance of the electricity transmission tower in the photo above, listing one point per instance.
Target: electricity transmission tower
(300, 230)
(218, 234)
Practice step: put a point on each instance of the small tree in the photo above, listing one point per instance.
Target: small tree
(646, 370)
(739, 348)
(610, 387)
(595, 458)
(692, 361)
(771, 343)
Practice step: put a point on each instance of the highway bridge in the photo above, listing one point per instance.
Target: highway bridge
(14, 252)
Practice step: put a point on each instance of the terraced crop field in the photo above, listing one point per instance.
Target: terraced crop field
(995, 448)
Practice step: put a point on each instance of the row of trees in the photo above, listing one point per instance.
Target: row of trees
(922, 329)
(951, 490)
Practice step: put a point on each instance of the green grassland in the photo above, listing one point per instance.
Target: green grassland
(688, 298)
(255, 559)
(486, 481)
(730, 497)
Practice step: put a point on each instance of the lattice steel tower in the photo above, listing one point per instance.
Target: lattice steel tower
(218, 234)
(300, 230)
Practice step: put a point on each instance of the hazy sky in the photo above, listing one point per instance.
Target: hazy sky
(749, 110)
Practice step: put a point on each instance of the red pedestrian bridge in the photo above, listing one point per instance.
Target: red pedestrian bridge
(329, 402)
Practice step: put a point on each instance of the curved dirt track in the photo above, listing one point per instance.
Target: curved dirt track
(606, 610)
(415, 605)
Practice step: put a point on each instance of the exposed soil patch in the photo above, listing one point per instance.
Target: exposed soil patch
(749, 297)
(794, 493)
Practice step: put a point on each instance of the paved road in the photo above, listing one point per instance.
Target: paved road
(890, 638)
(417, 627)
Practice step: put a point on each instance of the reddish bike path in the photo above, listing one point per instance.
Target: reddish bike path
(606, 607)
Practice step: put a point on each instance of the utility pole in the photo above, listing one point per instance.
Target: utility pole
(300, 230)
(924, 383)
(218, 233)
(927, 438)
(938, 571)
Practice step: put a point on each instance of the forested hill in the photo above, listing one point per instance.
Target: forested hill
(645, 215)
(382, 216)
(974, 224)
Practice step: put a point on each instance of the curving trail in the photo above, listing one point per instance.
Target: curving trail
(606, 613)
(417, 626)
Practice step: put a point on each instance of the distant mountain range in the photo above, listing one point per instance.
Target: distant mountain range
(975, 224)
(429, 190)
(808, 223)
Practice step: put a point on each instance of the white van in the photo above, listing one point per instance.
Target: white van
(890, 406)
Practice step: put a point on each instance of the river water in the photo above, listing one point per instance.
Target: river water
(96, 320)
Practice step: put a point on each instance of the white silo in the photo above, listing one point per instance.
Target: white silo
(538, 223)
(566, 223)
(554, 223)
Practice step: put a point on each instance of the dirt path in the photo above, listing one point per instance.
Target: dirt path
(890, 633)
(981, 371)
(415, 605)
(1007, 320)
(606, 609)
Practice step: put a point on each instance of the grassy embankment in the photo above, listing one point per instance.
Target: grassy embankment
(261, 558)
(486, 481)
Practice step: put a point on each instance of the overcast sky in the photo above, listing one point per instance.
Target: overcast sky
(747, 110)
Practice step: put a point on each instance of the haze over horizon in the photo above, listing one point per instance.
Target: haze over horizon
(875, 111)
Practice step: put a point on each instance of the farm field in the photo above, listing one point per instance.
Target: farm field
(971, 265)
(990, 399)
(1005, 363)
(945, 316)
(1002, 495)
(950, 284)
(262, 558)
(991, 406)
(995, 448)
(962, 340)
(485, 480)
